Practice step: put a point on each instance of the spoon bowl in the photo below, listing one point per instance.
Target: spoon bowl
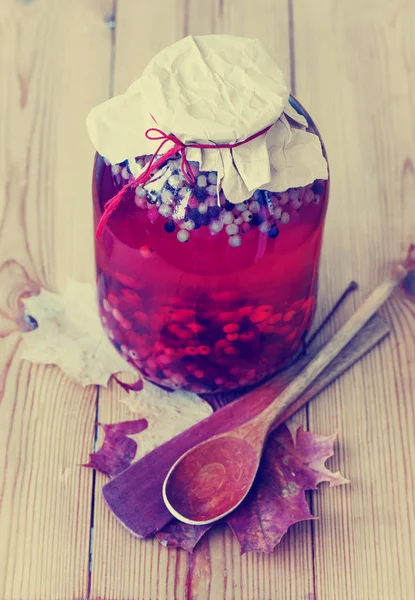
(211, 479)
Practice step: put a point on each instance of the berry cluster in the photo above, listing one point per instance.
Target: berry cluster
(186, 208)
(211, 349)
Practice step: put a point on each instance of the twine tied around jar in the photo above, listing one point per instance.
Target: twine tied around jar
(178, 147)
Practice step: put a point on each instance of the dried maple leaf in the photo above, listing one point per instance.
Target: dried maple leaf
(137, 386)
(167, 413)
(70, 335)
(163, 415)
(180, 535)
(292, 464)
(117, 450)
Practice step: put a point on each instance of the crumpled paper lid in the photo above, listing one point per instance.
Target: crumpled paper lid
(214, 89)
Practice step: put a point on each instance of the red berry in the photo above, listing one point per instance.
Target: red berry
(133, 338)
(141, 318)
(152, 214)
(247, 336)
(297, 305)
(196, 328)
(235, 371)
(183, 315)
(221, 344)
(156, 322)
(282, 330)
(125, 323)
(292, 336)
(163, 359)
(191, 350)
(145, 251)
(112, 299)
(231, 328)
(307, 306)
(204, 350)
(245, 311)
(275, 318)
(289, 315)
(198, 389)
(131, 296)
(265, 328)
(299, 318)
(258, 317)
(151, 363)
(131, 282)
(177, 379)
(268, 308)
(230, 350)
(232, 337)
(225, 317)
(181, 332)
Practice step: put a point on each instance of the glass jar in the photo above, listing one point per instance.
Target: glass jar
(204, 297)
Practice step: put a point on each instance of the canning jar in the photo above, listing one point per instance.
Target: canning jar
(200, 293)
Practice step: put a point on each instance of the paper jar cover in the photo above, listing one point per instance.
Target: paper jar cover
(214, 89)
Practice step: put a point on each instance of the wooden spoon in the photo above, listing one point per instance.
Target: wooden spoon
(211, 479)
(135, 496)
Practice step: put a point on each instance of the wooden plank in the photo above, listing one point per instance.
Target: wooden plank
(289, 571)
(54, 67)
(47, 428)
(354, 71)
(122, 566)
(216, 569)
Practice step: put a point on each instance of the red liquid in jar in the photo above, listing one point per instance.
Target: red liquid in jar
(221, 310)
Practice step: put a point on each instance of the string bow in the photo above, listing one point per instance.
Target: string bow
(178, 147)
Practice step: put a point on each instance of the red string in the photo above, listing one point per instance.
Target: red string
(153, 165)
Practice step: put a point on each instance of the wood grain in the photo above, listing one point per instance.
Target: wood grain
(123, 567)
(54, 66)
(355, 72)
(352, 64)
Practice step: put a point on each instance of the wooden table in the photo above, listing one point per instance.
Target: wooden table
(352, 64)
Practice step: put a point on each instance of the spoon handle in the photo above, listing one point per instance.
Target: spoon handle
(329, 352)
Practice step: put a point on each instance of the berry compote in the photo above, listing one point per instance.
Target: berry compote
(202, 294)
